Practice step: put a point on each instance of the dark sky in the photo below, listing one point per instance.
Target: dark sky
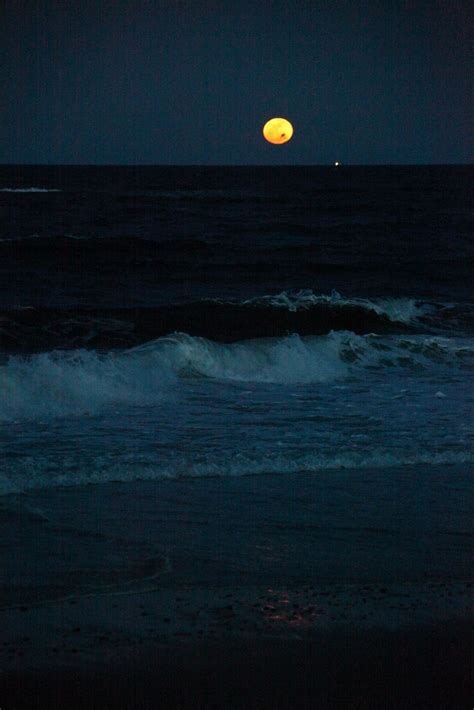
(193, 81)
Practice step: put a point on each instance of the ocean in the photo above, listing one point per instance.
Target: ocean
(161, 322)
(194, 323)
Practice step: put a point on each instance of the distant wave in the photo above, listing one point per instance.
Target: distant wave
(28, 189)
(81, 381)
(402, 310)
(303, 312)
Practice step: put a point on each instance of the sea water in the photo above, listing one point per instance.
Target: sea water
(186, 323)
(172, 322)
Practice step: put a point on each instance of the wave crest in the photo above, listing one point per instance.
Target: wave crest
(75, 382)
(401, 310)
(302, 312)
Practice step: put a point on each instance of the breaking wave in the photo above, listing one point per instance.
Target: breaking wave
(401, 310)
(81, 381)
(27, 329)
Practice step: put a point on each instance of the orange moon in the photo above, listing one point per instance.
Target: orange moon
(277, 131)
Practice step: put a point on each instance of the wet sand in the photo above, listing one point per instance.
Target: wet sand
(240, 593)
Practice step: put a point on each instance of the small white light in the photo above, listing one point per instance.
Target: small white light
(336, 163)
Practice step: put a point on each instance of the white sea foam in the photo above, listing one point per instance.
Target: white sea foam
(37, 472)
(28, 189)
(77, 382)
(403, 310)
(74, 382)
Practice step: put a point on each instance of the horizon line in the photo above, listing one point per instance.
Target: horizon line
(233, 165)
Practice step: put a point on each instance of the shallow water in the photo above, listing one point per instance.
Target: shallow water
(411, 524)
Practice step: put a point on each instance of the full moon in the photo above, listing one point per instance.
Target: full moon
(277, 130)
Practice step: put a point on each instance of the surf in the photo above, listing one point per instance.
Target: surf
(58, 383)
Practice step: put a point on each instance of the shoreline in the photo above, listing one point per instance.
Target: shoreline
(325, 591)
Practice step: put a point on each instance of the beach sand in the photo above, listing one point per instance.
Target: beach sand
(243, 593)
(425, 667)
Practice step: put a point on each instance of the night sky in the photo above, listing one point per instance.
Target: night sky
(193, 81)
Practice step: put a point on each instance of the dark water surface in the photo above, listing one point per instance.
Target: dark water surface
(188, 321)
(103, 237)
